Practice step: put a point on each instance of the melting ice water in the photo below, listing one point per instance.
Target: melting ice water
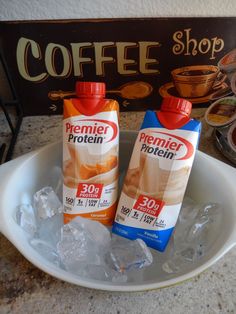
(86, 248)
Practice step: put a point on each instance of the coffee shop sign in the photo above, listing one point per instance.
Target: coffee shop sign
(76, 60)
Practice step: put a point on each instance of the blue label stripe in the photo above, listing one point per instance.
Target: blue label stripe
(157, 240)
(151, 121)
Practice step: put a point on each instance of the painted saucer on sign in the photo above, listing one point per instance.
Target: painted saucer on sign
(169, 89)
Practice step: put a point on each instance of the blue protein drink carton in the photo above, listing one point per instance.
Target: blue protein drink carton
(158, 173)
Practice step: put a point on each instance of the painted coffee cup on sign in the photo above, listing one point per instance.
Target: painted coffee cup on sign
(197, 80)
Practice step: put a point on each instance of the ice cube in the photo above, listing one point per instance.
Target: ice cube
(189, 210)
(76, 248)
(191, 235)
(127, 254)
(84, 242)
(46, 203)
(188, 213)
(49, 229)
(85, 246)
(197, 229)
(208, 218)
(97, 231)
(180, 258)
(46, 250)
(212, 210)
(25, 218)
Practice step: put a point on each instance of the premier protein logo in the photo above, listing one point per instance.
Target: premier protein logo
(96, 131)
(166, 145)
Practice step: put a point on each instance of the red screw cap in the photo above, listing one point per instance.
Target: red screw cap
(175, 112)
(176, 105)
(90, 89)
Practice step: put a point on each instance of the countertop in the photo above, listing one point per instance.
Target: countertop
(26, 289)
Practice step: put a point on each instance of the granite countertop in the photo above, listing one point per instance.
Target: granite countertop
(26, 289)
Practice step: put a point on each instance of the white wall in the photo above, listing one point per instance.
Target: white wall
(67, 9)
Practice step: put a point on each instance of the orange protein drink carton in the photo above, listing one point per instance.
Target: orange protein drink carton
(90, 154)
(158, 173)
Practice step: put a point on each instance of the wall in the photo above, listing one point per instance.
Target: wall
(67, 9)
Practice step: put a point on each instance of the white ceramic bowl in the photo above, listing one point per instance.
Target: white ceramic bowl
(210, 180)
